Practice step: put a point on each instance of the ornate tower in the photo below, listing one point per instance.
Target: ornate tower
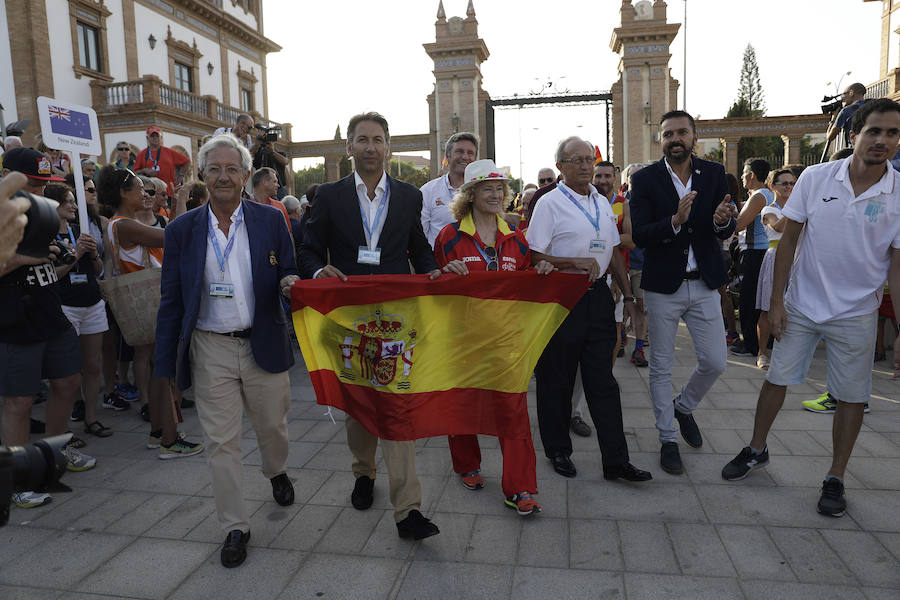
(458, 100)
(645, 89)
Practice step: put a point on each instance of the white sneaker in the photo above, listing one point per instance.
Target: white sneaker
(762, 362)
(76, 460)
(30, 499)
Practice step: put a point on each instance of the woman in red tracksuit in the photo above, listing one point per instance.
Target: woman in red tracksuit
(480, 240)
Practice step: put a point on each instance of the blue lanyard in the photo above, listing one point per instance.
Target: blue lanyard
(378, 215)
(215, 243)
(150, 155)
(484, 255)
(595, 220)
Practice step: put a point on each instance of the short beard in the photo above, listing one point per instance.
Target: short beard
(689, 151)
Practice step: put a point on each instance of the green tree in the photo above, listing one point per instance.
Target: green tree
(751, 103)
(407, 171)
(308, 176)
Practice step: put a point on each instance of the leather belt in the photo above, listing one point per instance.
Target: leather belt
(244, 333)
(691, 275)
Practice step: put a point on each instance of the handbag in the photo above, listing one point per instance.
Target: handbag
(133, 298)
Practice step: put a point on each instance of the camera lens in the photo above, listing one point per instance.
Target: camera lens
(43, 223)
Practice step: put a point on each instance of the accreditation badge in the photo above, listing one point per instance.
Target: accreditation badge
(597, 245)
(221, 290)
(369, 256)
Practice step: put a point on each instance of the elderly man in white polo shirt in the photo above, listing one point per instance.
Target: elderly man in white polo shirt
(851, 213)
(574, 229)
(460, 150)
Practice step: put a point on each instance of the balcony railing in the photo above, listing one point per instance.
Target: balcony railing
(880, 88)
(150, 90)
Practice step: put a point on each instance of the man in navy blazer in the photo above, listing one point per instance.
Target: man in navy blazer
(370, 224)
(680, 213)
(222, 329)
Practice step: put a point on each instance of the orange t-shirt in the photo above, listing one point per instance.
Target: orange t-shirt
(280, 206)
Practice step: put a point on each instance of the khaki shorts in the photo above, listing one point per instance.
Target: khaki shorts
(636, 290)
(849, 344)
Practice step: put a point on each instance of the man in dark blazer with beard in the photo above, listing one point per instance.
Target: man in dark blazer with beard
(370, 224)
(680, 213)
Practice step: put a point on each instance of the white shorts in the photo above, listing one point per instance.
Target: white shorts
(87, 319)
(849, 344)
(620, 311)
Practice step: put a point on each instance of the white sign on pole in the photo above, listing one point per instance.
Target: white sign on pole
(72, 128)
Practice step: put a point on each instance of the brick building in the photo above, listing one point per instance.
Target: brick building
(187, 66)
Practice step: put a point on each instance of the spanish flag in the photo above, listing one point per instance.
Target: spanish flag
(410, 358)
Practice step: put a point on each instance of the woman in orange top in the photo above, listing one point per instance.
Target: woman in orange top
(124, 191)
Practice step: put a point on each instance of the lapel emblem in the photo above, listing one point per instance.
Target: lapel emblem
(273, 260)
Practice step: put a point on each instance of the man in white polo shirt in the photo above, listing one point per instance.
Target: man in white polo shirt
(574, 229)
(851, 212)
(460, 150)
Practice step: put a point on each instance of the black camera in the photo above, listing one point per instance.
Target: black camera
(43, 224)
(267, 134)
(831, 104)
(65, 257)
(36, 467)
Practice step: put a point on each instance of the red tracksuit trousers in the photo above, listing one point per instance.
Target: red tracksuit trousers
(519, 462)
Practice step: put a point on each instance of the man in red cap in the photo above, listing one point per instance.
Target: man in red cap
(158, 161)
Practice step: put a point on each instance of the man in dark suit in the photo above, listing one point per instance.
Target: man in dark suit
(369, 224)
(680, 212)
(221, 327)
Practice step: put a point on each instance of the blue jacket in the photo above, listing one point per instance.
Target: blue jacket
(272, 256)
(654, 201)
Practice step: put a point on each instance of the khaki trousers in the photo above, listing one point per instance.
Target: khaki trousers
(226, 381)
(400, 459)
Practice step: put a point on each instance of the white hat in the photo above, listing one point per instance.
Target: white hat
(481, 170)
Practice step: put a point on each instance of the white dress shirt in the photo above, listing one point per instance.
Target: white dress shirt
(370, 207)
(223, 315)
(559, 228)
(683, 189)
(436, 197)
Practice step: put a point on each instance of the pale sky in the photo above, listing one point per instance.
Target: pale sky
(347, 56)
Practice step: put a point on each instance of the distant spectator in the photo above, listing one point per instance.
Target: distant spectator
(241, 130)
(265, 188)
(157, 160)
(124, 156)
(198, 195)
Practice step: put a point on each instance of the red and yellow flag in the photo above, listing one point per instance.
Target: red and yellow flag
(598, 156)
(411, 358)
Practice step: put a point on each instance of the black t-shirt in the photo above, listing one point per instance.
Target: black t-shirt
(79, 287)
(29, 306)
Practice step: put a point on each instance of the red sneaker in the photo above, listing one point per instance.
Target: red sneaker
(472, 481)
(523, 503)
(637, 358)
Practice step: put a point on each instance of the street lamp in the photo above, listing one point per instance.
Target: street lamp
(837, 86)
(152, 41)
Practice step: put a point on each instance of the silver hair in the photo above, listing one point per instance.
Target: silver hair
(632, 169)
(562, 145)
(159, 182)
(290, 203)
(12, 138)
(224, 140)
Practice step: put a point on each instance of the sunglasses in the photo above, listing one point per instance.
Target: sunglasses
(545, 180)
(150, 192)
(790, 183)
(123, 149)
(128, 176)
(90, 190)
(491, 253)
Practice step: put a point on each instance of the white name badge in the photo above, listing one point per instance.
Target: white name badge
(221, 290)
(369, 256)
(77, 278)
(597, 246)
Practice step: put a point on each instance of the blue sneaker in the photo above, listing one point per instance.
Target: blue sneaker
(127, 391)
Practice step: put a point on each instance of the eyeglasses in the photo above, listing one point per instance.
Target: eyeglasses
(123, 149)
(583, 160)
(545, 179)
(90, 190)
(789, 183)
(491, 253)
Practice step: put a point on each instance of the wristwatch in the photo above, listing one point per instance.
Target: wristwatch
(628, 299)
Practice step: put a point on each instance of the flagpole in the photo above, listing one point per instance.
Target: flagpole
(79, 192)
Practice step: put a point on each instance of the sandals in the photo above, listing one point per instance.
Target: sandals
(97, 428)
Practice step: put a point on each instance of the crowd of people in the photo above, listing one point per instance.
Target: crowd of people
(675, 240)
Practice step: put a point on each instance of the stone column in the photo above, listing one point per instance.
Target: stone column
(730, 155)
(791, 148)
(333, 167)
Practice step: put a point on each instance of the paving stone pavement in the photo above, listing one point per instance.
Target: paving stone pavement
(138, 527)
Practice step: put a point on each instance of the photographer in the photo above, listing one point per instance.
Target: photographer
(241, 130)
(36, 339)
(265, 155)
(853, 97)
(12, 216)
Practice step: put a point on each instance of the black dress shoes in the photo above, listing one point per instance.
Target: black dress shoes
(234, 552)
(628, 472)
(362, 496)
(563, 465)
(689, 430)
(670, 459)
(282, 489)
(416, 526)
